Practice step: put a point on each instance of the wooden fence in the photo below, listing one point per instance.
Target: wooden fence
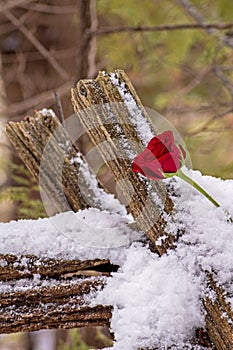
(102, 107)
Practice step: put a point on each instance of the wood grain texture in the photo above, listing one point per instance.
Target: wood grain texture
(62, 306)
(47, 151)
(26, 266)
(38, 293)
(110, 125)
(62, 303)
(219, 316)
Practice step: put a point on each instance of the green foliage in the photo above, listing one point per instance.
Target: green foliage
(76, 342)
(215, 136)
(173, 70)
(226, 9)
(24, 193)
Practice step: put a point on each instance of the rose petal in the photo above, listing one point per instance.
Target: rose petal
(146, 164)
(170, 163)
(161, 156)
(161, 144)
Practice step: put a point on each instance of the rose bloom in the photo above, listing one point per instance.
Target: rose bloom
(160, 157)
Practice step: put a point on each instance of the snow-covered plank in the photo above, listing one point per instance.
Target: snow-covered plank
(167, 304)
(39, 293)
(34, 304)
(52, 272)
(117, 123)
(14, 267)
(219, 316)
(53, 293)
(61, 171)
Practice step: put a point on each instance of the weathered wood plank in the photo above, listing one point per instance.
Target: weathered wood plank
(56, 171)
(32, 295)
(26, 266)
(38, 293)
(110, 125)
(62, 303)
(66, 317)
(62, 306)
(219, 316)
(103, 112)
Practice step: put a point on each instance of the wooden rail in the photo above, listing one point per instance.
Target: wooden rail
(103, 108)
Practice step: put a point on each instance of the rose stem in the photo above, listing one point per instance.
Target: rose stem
(184, 177)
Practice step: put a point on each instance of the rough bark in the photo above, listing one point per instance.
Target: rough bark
(219, 316)
(62, 303)
(38, 293)
(47, 151)
(110, 125)
(51, 307)
(15, 268)
(106, 125)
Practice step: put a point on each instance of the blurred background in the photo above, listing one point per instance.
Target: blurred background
(180, 67)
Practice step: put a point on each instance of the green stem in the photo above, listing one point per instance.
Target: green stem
(184, 177)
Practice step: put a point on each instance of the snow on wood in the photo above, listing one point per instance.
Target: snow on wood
(51, 305)
(50, 269)
(169, 292)
(58, 172)
(157, 300)
(104, 113)
(28, 266)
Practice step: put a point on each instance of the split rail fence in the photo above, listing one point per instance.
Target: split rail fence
(62, 305)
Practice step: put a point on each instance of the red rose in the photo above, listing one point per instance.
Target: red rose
(161, 156)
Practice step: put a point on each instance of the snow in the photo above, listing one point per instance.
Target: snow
(103, 200)
(157, 300)
(140, 123)
(48, 112)
(87, 234)
(206, 226)
(26, 284)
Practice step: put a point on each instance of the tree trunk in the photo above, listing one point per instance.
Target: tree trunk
(88, 22)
